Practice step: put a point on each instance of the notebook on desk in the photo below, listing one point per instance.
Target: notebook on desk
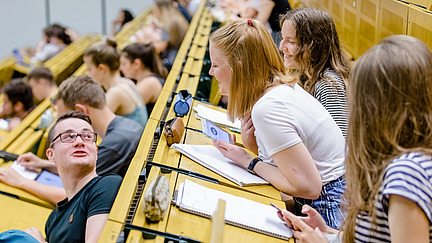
(239, 211)
(209, 157)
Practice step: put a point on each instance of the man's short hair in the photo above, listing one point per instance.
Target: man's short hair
(67, 115)
(18, 90)
(42, 73)
(81, 90)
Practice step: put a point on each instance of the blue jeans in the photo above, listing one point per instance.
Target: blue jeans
(328, 203)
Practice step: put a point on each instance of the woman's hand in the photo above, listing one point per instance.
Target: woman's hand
(304, 229)
(248, 134)
(234, 153)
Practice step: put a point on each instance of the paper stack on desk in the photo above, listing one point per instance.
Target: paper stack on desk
(239, 211)
(217, 117)
(209, 157)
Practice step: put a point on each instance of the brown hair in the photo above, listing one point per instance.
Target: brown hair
(318, 47)
(146, 53)
(172, 21)
(391, 114)
(67, 115)
(81, 90)
(254, 61)
(105, 52)
(42, 73)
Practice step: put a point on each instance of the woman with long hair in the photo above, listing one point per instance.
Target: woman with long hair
(300, 148)
(389, 162)
(142, 63)
(103, 65)
(314, 58)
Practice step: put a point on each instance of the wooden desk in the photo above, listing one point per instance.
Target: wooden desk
(17, 214)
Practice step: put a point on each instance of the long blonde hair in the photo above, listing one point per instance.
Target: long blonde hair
(254, 61)
(390, 96)
(318, 48)
(172, 21)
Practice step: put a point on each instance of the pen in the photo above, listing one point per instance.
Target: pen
(278, 209)
(235, 130)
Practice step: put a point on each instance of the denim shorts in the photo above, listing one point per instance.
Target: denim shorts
(328, 204)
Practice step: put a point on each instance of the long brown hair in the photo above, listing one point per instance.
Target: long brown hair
(390, 96)
(173, 22)
(318, 48)
(254, 61)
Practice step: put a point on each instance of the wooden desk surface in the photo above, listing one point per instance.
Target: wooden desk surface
(17, 214)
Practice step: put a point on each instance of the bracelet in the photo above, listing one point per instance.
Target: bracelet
(252, 164)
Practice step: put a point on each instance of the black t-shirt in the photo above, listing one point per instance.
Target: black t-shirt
(281, 7)
(67, 222)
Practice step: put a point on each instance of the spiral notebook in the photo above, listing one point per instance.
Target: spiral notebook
(239, 211)
(209, 157)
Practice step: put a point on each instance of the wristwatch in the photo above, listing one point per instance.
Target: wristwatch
(252, 164)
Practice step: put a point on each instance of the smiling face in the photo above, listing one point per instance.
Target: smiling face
(78, 155)
(220, 69)
(288, 44)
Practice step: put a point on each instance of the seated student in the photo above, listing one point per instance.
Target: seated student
(42, 83)
(300, 147)
(103, 62)
(123, 18)
(82, 215)
(389, 161)
(142, 63)
(315, 59)
(120, 136)
(167, 32)
(17, 102)
(55, 39)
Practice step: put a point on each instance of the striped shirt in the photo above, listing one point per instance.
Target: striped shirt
(409, 176)
(333, 98)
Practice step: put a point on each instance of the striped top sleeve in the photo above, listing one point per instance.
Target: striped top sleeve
(409, 176)
(333, 98)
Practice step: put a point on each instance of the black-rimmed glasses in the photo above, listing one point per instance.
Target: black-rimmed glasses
(70, 137)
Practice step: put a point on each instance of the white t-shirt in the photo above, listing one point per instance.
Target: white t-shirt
(286, 116)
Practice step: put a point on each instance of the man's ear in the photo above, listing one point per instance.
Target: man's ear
(50, 154)
(18, 106)
(82, 108)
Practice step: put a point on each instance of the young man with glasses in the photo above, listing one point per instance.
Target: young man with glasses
(120, 136)
(80, 217)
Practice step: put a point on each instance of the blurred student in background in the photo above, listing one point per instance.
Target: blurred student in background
(54, 40)
(123, 18)
(142, 63)
(17, 102)
(42, 83)
(103, 63)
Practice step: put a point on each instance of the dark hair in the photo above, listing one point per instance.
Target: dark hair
(42, 73)
(146, 53)
(58, 31)
(19, 91)
(104, 52)
(81, 90)
(127, 16)
(67, 115)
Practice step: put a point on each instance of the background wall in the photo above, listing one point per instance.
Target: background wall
(22, 21)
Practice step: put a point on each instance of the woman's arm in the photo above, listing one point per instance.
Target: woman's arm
(265, 11)
(407, 222)
(294, 168)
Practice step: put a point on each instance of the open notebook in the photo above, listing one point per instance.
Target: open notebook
(239, 211)
(217, 117)
(209, 157)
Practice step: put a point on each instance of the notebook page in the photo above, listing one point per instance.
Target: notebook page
(23, 171)
(216, 117)
(209, 157)
(239, 211)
